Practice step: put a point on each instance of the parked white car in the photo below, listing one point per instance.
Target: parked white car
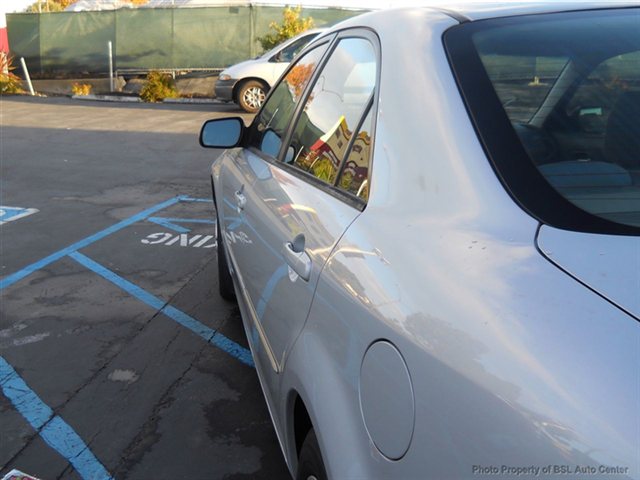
(432, 229)
(247, 83)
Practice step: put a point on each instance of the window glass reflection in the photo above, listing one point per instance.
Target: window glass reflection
(354, 177)
(334, 107)
(270, 125)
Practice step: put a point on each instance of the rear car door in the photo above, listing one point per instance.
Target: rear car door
(292, 193)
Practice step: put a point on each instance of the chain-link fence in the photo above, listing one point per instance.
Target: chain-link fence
(146, 38)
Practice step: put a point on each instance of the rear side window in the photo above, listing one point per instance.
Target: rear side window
(331, 139)
(556, 99)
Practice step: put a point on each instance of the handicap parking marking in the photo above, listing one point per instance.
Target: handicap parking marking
(51, 427)
(9, 214)
(207, 333)
(85, 242)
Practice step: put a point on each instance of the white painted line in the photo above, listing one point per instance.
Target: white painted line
(9, 214)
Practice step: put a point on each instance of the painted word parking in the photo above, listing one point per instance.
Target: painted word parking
(41, 408)
(182, 237)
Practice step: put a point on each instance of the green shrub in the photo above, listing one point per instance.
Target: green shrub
(291, 26)
(9, 82)
(158, 87)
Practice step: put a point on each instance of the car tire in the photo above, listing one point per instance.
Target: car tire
(225, 281)
(251, 95)
(310, 464)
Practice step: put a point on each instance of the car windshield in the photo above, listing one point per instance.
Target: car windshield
(570, 86)
(291, 50)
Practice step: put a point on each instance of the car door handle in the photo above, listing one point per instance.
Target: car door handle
(297, 258)
(241, 200)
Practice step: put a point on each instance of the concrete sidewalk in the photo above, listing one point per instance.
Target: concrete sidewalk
(187, 85)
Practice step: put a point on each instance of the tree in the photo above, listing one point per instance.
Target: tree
(49, 6)
(59, 5)
(291, 26)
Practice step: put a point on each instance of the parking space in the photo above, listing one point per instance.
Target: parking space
(117, 357)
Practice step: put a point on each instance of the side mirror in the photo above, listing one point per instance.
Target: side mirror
(222, 133)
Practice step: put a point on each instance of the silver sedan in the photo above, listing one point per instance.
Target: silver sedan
(432, 231)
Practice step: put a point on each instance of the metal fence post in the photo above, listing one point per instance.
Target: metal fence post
(26, 74)
(252, 31)
(111, 86)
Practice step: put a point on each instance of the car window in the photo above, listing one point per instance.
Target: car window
(287, 54)
(523, 82)
(571, 94)
(333, 111)
(271, 123)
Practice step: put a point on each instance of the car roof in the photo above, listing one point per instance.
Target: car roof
(480, 10)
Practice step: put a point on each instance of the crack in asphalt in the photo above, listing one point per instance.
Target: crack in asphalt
(148, 435)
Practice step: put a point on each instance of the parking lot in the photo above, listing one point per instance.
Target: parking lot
(117, 356)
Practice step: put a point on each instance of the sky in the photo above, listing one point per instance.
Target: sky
(9, 6)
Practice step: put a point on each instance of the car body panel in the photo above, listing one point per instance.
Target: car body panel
(610, 264)
(512, 361)
(480, 10)
(503, 364)
(278, 207)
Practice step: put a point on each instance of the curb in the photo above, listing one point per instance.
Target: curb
(124, 99)
(191, 100)
(107, 98)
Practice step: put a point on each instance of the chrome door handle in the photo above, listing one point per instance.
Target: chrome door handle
(299, 261)
(241, 200)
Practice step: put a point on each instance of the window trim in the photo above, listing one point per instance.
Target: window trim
(501, 144)
(352, 142)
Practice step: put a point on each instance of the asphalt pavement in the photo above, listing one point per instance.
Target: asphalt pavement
(118, 359)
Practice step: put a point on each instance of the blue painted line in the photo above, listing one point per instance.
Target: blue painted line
(208, 334)
(269, 288)
(229, 204)
(235, 224)
(19, 275)
(170, 223)
(54, 430)
(186, 198)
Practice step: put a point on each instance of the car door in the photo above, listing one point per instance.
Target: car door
(286, 204)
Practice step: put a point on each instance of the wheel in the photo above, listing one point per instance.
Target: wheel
(310, 464)
(251, 95)
(225, 282)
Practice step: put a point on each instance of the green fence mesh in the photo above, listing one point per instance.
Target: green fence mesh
(146, 38)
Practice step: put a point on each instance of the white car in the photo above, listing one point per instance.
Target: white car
(247, 83)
